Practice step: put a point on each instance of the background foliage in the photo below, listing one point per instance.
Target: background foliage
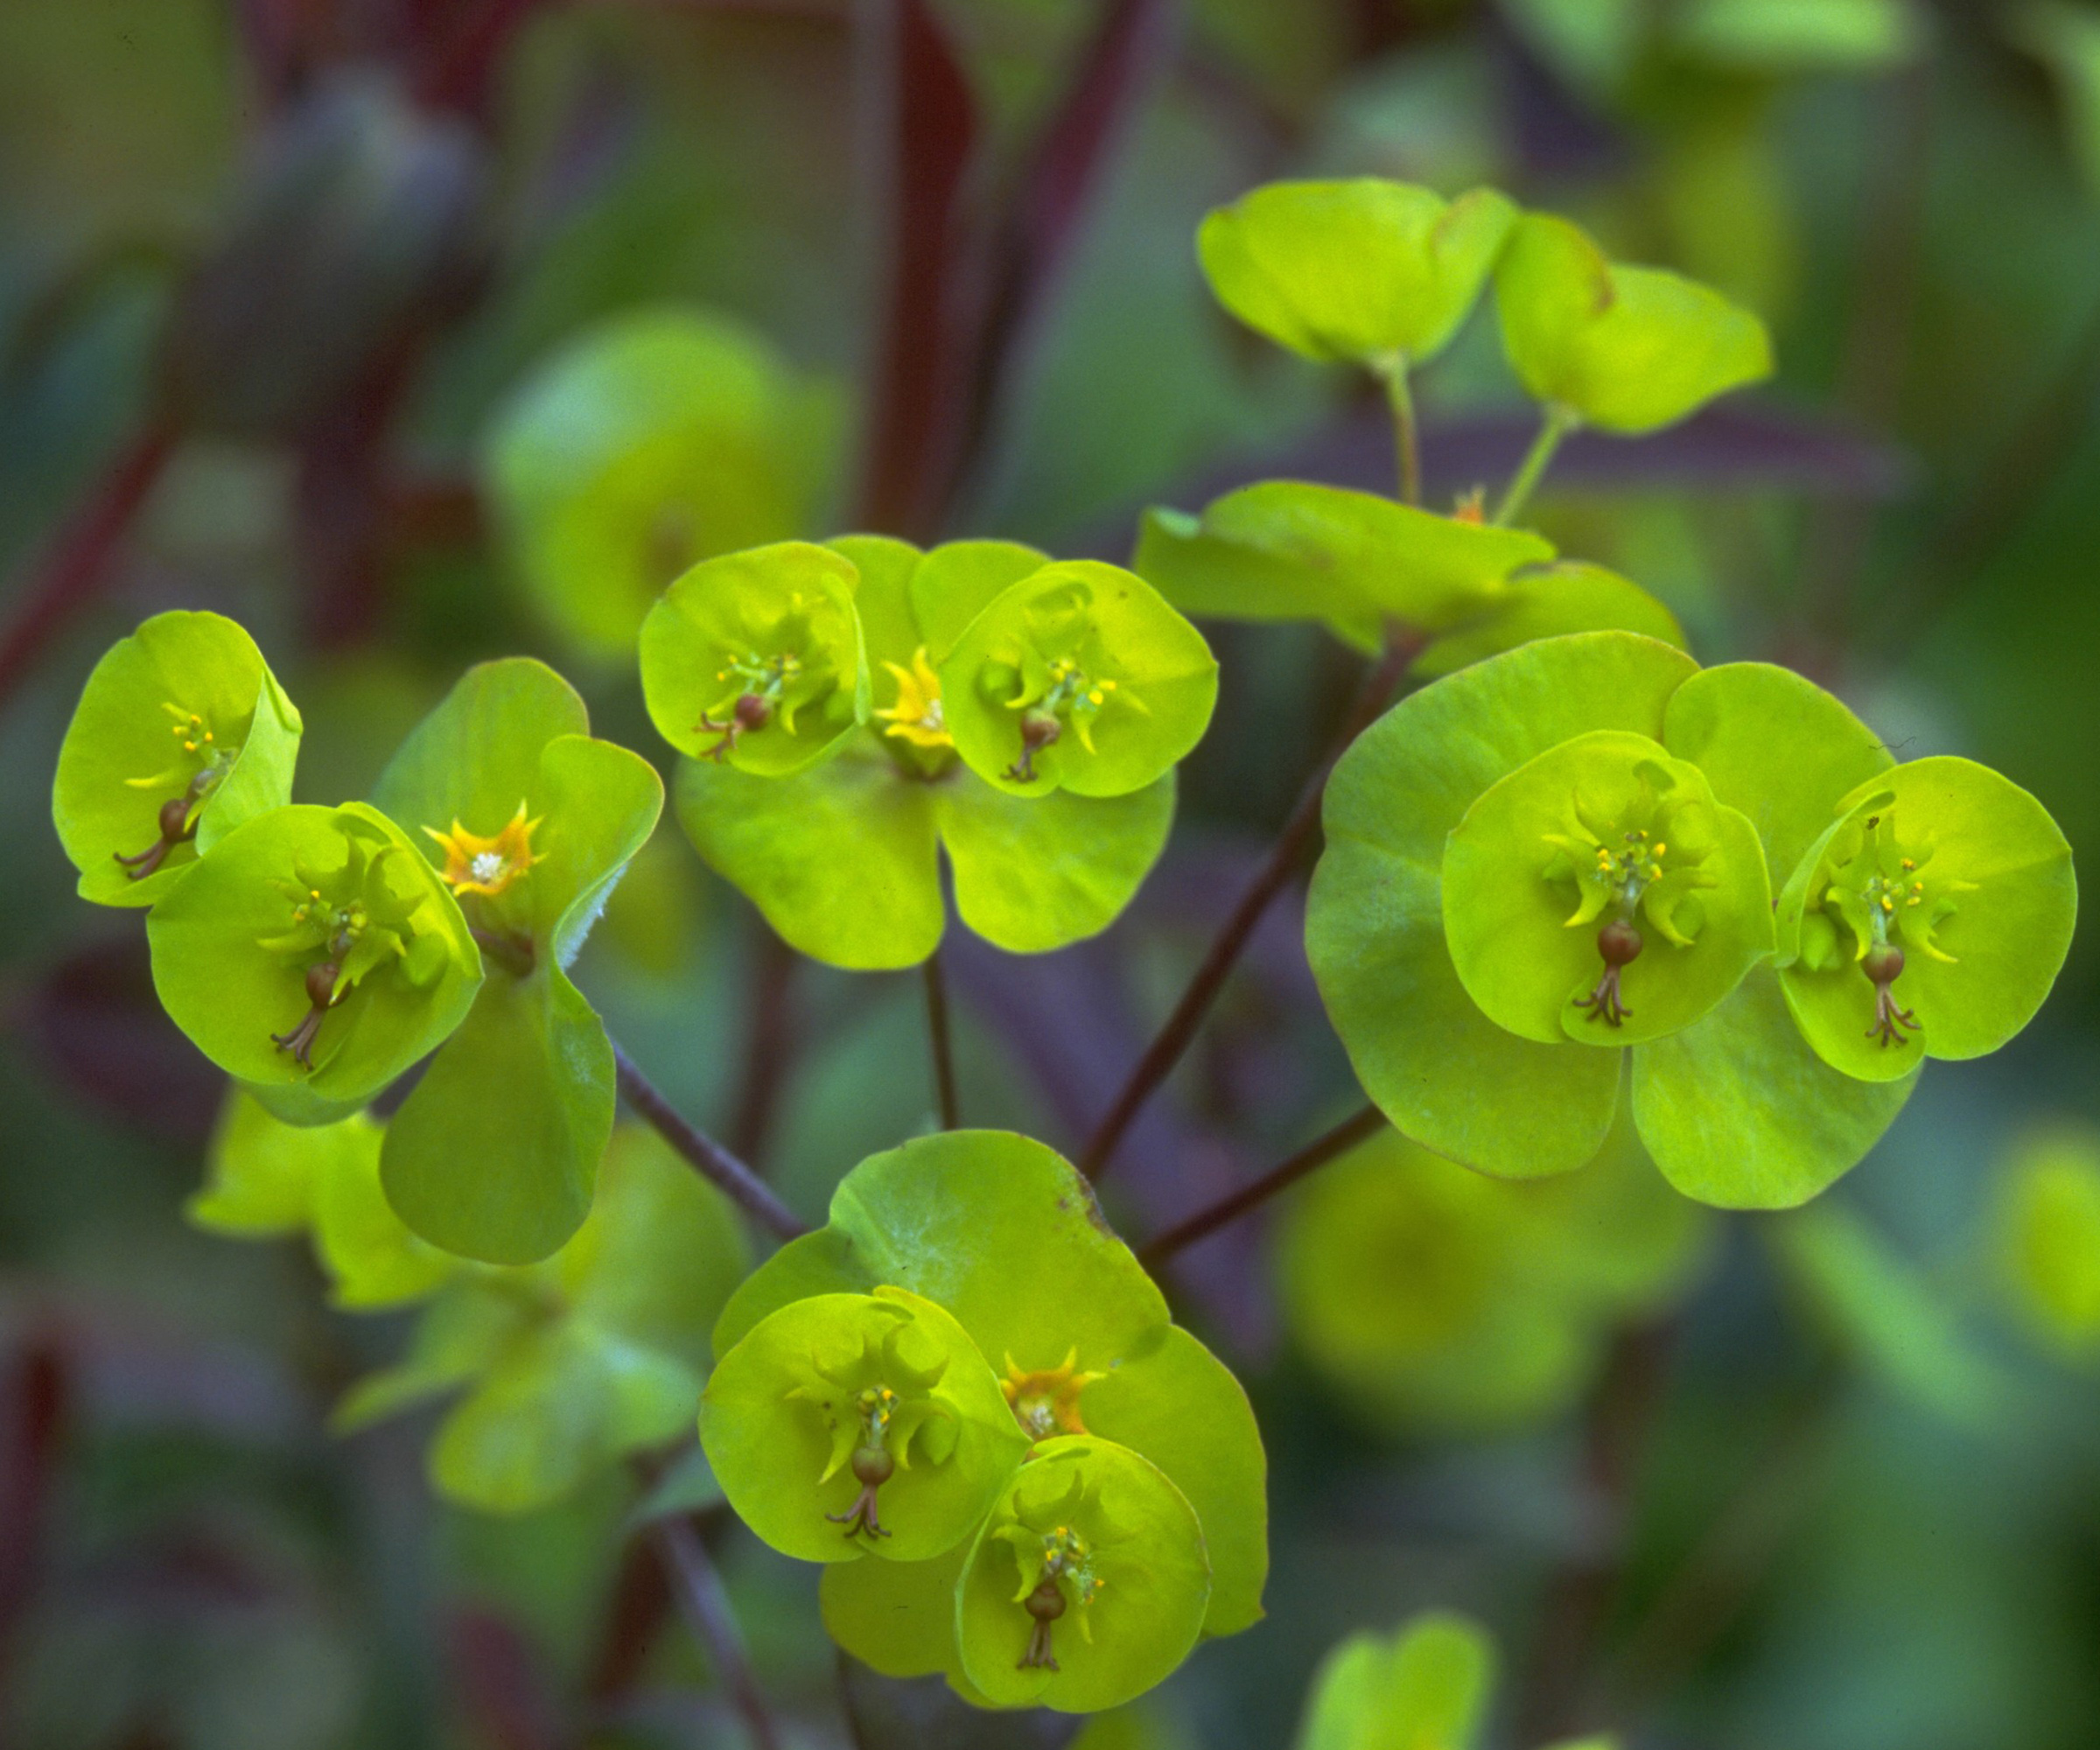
(288, 292)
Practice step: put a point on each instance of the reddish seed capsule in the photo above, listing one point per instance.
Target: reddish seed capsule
(1884, 962)
(174, 818)
(321, 983)
(872, 1467)
(1619, 943)
(752, 712)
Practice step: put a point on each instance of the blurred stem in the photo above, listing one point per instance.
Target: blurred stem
(1318, 1153)
(938, 1040)
(78, 568)
(1406, 435)
(1174, 1038)
(714, 1163)
(769, 1033)
(705, 1605)
(1557, 424)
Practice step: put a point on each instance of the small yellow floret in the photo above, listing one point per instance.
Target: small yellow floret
(475, 865)
(916, 717)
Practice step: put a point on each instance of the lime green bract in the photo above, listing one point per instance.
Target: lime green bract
(1375, 272)
(314, 955)
(181, 734)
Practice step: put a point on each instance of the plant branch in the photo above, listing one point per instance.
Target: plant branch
(1407, 441)
(1557, 424)
(705, 1606)
(1227, 1210)
(939, 1041)
(769, 1039)
(713, 1162)
(78, 568)
(1174, 1038)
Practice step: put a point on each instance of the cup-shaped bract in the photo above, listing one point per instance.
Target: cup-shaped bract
(1078, 677)
(181, 734)
(843, 859)
(1427, 1686)
(651, 441)
(1599, 892)
(755, 659)
(530, 822)
(1088, 1584)
(1377, 272)
(314, 955)
(851, 1424)
(1006, 1234)
(1625, 349)
(1931, 919)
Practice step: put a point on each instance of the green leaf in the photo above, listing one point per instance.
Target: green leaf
(495, 1154)
(1443, 1071)
(1606, 829)
(461, 1334)
(234, 944)
(2065, 39)
(183, 710)
(1741, 1113)
(1774, 746)
(1425, 1687)
(1180, 1407)
(560, 1404)
(841, 859)
(259, 1172)
(2047, 1225)
(897, 1618)
(1080, 676)
(817, 1392)
(1119, 1547)
(1550, 601)
(1033, 874)
(772, 633)
(957, 581)
(882, 595)
(1368, 270)
(653, 440)
(1286, 549)
(1800, 37)
(1896, 1325)
(1995, 903)
(997, 1229)
(1627, 349)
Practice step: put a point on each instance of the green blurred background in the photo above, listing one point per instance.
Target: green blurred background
(273, 273)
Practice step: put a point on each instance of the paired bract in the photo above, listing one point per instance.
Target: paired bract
(1113, 1478)
(1548, 876)
(1023, 717)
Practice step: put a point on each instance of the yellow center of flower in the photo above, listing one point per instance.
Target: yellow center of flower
(475, 865)
(1045, 1401)
(916, 717)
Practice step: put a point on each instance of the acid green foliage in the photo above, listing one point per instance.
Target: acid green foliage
(844, 858)
(1087, 1583)
(1428, 1685)
(182, 725)
(1625, 349)
(2047, 1224)
(648, 443)
(530, 822)
(1479, 832)
(265, 1178)
(755, 659)
(1377, 273)
(1424, 1687)
(871, 1411)
(1078, 677)
(1957, 878)
(560, 1369)
(1004, 1235)
(1431, 1296)
(314, 955)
